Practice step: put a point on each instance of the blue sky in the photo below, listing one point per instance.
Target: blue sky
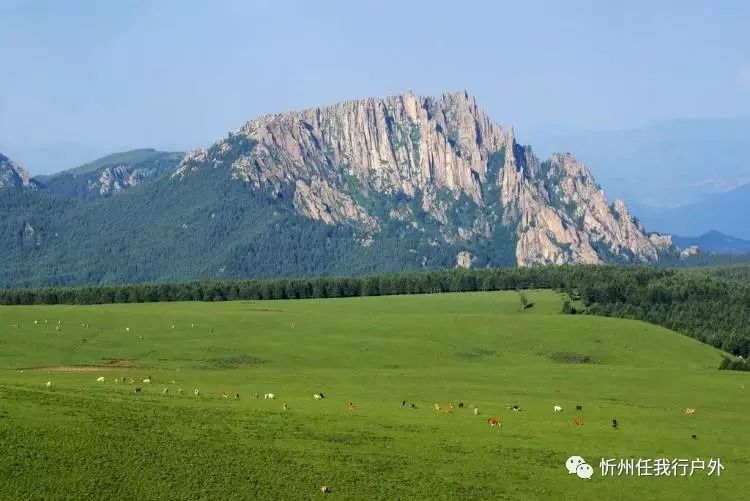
(98, 76)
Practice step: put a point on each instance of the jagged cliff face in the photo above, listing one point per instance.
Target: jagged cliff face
(13, 176)
(117, 178)
(363, 163)
(112, 174)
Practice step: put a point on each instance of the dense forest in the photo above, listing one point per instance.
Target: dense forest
(696, 303)
(736, 273)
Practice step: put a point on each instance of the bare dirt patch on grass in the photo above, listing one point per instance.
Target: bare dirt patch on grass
(110, 364)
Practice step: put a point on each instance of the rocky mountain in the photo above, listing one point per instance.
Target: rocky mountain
(367, 186)
(14, 177)
(364, 163)
(111, 174)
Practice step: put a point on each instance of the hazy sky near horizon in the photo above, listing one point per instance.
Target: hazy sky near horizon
(106, 76)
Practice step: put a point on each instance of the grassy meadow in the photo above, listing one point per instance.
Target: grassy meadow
(84, 439)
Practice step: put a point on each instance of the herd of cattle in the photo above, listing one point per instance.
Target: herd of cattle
(494, 422)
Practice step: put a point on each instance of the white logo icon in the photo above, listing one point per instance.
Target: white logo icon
(577, 465)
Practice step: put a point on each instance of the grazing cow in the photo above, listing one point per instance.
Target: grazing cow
(494, 422)
(413, 406)
(476, 411)
(578, 421)
(165, 391)
(319, 396)
(147, 380)
(36, 322)
(324, 489)
(196, 392)
(689, 411)
(131, 380)
(579, 407)
(403, 403)
(236, 396)
(100, 379)
(614, 424)
(460, 405)
(436, 406)
(350, 406)
(225, 394)
(137, 389)
(694, 437)
(269, 396)
(49, 384)
(192, 326)
(127, 329)
(557, 408)
(171, 381)
(285, 407)
(180, 391)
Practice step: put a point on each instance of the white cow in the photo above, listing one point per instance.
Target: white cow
(269, 396)
(147, 380)
(196, 392)
(127, 329)
(49, 384)
(557, 408)
(476, 411)
(100, 379)
(318, 396)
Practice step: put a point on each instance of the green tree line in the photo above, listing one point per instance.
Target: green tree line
(700, 305)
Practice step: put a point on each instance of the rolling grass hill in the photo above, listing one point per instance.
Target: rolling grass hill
(86, 439)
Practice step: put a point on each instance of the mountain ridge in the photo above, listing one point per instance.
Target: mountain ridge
(111, 174)
(366, 186)
(409, 144)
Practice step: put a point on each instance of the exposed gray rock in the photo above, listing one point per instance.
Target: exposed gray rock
(13, 176)
(437, 152)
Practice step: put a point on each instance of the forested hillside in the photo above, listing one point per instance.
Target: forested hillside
(208, 226)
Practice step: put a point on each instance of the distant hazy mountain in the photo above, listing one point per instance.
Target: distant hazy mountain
(727, 212)
(714, 241)
(666, 165)
(110, 174)
(373, 185)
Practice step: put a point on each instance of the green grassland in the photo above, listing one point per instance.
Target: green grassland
(83, 439)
